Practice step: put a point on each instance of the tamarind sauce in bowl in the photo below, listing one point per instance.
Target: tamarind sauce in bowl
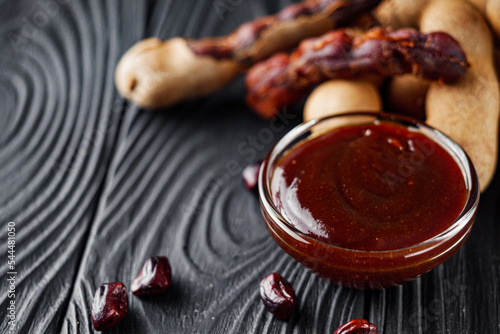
(368, 200)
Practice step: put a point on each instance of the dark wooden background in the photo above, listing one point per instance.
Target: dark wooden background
(95, 186)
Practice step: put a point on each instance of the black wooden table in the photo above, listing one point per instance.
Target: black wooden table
(95, 185)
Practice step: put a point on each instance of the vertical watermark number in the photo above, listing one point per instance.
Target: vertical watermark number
(11, 276)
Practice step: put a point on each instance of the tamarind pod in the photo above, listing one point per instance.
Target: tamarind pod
(155, 73)
(338, 96)
(342, 96)
(469, 110)
(283, 79)
(257, 40)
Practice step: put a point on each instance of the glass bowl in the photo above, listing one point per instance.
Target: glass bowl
(367, 269)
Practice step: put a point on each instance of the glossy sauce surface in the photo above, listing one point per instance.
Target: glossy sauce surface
(369, 187)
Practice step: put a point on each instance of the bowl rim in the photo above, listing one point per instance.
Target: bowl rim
(464, 162)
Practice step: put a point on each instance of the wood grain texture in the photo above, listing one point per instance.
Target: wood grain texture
(96, 186)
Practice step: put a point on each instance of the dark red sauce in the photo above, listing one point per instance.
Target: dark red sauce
(369, 187)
